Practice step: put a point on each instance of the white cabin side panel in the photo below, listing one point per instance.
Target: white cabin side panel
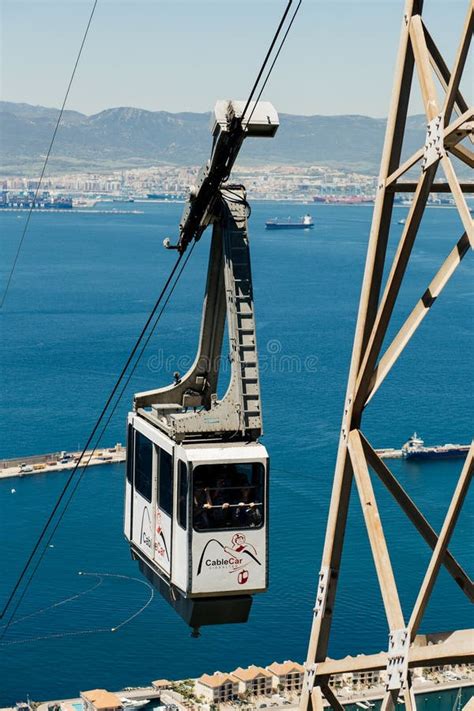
(143, 524)
(179, 571)
(229, 561)
(163, 540)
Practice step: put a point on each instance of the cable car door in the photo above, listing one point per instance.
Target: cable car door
(180, 567)
(128, 509)
(164, 507)
(142, 523)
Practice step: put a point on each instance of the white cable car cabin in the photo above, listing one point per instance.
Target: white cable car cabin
(196, 519)
(196, 501)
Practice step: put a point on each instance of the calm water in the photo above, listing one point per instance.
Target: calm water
(82, 291)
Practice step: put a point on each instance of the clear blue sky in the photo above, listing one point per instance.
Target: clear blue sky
(180, 55)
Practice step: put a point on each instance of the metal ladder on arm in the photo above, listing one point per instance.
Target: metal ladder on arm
(241, 312)
(190, 406)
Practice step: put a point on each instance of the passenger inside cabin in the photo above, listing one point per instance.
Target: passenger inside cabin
(247, 513)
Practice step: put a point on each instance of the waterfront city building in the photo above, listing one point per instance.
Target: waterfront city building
(217, 688)
(100, 700)
(288, 676)
(254, 680)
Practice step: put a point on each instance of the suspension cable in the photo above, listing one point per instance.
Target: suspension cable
(274, 60)
(89, 440)
(98, 440)
(267, 56)
(120, 395)
(53, 137)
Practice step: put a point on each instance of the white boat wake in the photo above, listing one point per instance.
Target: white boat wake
(95, 630)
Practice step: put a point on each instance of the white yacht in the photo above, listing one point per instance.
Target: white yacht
(133, 704)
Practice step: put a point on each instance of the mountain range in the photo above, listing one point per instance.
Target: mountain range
(130, 137)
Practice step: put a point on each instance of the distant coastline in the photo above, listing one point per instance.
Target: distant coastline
(137, 138)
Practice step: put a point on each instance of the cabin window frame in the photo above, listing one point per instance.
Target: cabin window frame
(130, 465)
(137, 482)
(182, 495)
(238, 526)
(162, 453)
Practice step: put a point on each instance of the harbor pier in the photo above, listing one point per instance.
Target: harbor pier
(60, 461)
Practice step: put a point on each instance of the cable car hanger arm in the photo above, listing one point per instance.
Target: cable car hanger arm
(229, 130)
(189, 406)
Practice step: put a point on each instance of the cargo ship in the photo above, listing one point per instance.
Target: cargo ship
(304, 223)
(415, 448)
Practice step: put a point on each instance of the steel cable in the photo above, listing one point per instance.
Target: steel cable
(274, 60)
(89, 440)
(267, 57)
(97, 442)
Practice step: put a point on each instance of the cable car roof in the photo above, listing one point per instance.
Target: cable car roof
(214, 451)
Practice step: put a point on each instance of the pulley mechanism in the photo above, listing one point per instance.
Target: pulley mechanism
(229, 128)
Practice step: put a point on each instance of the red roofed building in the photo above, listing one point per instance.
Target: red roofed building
(217, 688)
(287, 676)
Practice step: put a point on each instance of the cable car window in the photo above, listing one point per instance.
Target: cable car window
(182, 494)
(143, 465)
(228, 496)
(165, 501)
(129, 454)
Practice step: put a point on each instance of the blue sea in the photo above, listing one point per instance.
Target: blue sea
(83, 288)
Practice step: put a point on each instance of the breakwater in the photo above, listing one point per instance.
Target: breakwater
(60, 461)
